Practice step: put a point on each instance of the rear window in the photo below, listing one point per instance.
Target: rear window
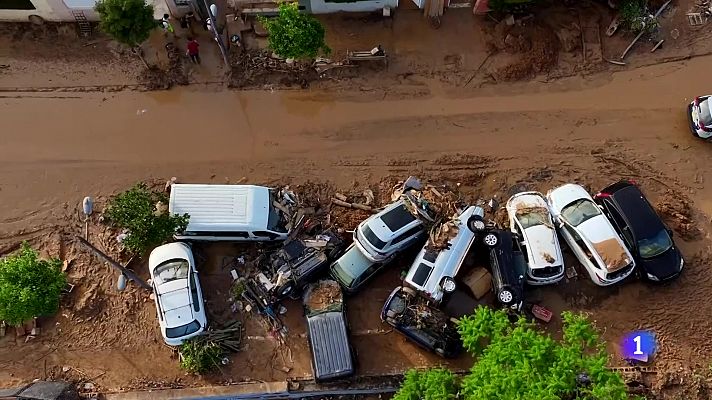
(705, 116)
(373, 239)
(430, 256)
(397, 218)
(421, 274)
(171, 270)
(183, 330)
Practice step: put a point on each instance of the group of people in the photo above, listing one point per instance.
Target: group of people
(186, 22)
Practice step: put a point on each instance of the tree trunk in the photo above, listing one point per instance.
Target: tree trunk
(139, 53)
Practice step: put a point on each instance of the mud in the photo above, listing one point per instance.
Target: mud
(531, 137)
(612, 254)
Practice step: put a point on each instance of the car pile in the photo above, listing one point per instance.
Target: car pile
(462, 257)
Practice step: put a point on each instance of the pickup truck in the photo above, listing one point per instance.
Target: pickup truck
(327, 331)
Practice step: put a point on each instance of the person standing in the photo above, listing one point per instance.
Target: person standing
(167, 26)
(193, 50)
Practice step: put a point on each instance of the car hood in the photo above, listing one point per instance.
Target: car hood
(169, 251)
(605, 241)
(543, 248)
(663, 266)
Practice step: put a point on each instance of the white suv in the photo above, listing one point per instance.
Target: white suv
(388, 233)
(179, 300)
(433, 272)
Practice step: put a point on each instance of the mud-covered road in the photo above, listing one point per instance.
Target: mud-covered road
(57, 148)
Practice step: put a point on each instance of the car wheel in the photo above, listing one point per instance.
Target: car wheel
(448, 285)
(476, 224)
(491, 239)
(505, 296)
(440, 351)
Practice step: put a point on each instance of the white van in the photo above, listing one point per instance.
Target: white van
(433, 272)
(228, 212)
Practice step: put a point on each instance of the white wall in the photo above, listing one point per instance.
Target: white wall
(323, 7)
(60, 10)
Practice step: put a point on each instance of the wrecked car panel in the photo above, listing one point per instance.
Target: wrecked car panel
(427, 326)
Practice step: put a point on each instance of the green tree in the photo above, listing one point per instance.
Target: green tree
(293, 34)
(516, 361)
(127, 21)
(432, 384)
(137, 211)
(29, 286)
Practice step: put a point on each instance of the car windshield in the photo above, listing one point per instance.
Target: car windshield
(274, 222)
(350, 266)
(373, 239)
(171, 270)
(533, 216)
(654, 246)
(183, 330)
(580, 211)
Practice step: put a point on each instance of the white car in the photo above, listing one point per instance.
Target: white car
(433, 272)
(179, 300)
(590, 235)
(699, 114)
(388, 233)
(530, 219)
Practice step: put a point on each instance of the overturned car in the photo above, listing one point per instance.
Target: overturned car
(287, 271)
(427, 326)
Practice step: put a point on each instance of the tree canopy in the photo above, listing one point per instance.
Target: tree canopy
(29, 286)
(137, 211)
(516, 361)
(127, 21)
(293, 34)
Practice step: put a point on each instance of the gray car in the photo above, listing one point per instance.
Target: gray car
(353, 269)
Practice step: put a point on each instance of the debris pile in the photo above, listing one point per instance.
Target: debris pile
(323, 296)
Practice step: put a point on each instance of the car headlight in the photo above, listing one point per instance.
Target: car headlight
(652, 277)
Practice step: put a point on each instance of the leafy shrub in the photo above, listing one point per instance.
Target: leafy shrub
(200, 356)
(636, 16)
(127, 21)
(29, 287)
(293, 34)
(432, 384)
(135, 210)
(522, 363)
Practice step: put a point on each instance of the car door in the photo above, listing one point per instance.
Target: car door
(405, 239)
(573, 240)
(619, 224)
(371, 271)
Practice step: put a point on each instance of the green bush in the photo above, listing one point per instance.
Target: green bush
(135, 210)
(515, 361)
(127, 21)
(636, 16)
(29, 287)
(432, 384)
(293, 34)
(200, 356)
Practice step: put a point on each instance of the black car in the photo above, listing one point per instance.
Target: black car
(642, 230)
(508, 266)
(427, 326)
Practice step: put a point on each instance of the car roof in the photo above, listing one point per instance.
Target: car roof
(354, 261)
(637, 211)
(391, 221)
(175, 301)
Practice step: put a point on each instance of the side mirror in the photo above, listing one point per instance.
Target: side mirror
(561, 224)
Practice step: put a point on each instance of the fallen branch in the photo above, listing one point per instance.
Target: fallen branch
(126, 272)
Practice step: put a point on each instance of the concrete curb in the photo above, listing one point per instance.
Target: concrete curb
(202, 392)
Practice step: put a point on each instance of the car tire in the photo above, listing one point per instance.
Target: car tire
(440, 351)
(491, 239)
(448, 288)
(476, 224)
(505, 296)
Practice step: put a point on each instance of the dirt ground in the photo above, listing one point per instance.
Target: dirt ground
(95, 137)
(535, 137)
(466, 54)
